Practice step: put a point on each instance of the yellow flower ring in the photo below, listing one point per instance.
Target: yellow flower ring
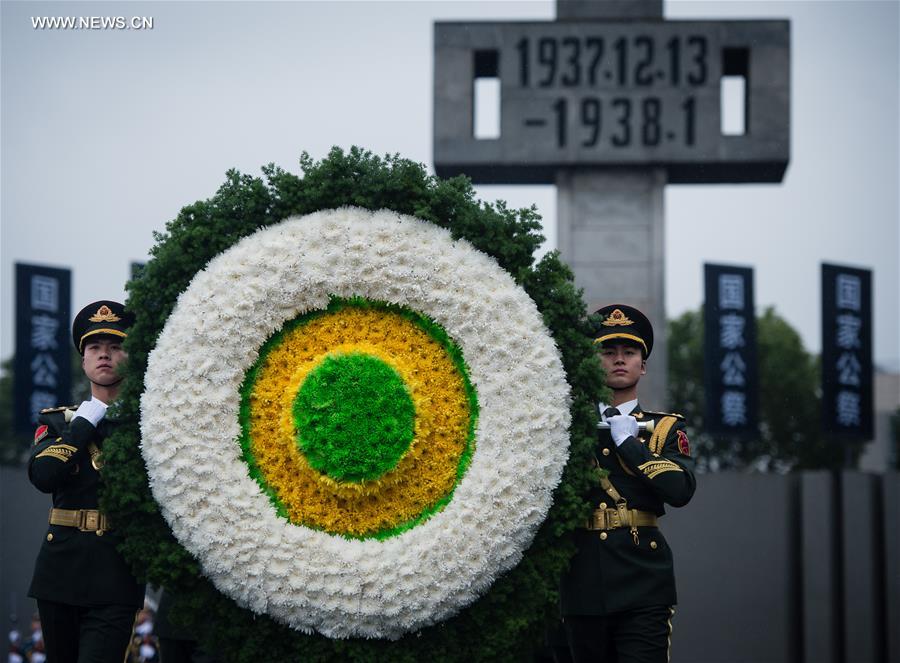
(423, 479)
(354, 422)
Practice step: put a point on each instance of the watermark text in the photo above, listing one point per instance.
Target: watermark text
(92, 22)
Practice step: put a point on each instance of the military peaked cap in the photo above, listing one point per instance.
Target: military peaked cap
(103, 318)
(625, 323)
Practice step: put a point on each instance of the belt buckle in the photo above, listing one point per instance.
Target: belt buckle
(89, 520)
(598, 520)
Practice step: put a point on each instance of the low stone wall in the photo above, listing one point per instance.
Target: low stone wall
(801, 567)
(23, 524)
(771, 568)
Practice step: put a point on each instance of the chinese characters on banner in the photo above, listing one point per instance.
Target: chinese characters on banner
(730, 370)
(847, 376)
(43, 346)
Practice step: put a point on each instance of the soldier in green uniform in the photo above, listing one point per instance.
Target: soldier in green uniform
(87, 596)
(617, 598)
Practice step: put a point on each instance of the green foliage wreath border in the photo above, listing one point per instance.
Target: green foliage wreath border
(508, 621)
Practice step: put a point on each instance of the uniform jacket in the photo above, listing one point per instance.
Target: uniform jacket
(75, 567)
(613, 574)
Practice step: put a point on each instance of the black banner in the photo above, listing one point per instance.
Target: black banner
(43, 376)
(847, 374)
(730, 364)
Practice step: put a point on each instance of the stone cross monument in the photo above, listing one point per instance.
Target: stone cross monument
(610, 102)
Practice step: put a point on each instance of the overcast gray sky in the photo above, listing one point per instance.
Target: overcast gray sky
(106, 134)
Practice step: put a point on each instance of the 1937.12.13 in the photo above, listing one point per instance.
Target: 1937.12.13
(590, 61)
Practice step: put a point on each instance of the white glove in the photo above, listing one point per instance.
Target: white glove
(93, 410)
(621, 427)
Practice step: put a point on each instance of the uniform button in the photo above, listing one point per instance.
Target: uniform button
(653, 545)
(99, 532)
(605, 452)
(603, 536)
(49, 537)
(602, 505)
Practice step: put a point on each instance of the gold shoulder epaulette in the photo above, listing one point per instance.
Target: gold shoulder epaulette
(661, 432)
(665, 414)
(59, 408)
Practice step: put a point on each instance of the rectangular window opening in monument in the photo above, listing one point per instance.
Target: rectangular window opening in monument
(486, 95)
(733, 90)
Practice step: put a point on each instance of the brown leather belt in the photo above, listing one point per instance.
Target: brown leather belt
(87, 520)
(607, 519)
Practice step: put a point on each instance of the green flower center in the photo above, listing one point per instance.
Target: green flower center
(354, 417)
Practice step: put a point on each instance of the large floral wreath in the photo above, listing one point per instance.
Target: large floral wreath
(354, 422)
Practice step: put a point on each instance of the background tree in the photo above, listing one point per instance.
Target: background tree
(14, 446)
(790, 426)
